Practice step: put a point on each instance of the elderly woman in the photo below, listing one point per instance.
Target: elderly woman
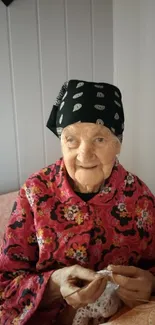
(80, 215)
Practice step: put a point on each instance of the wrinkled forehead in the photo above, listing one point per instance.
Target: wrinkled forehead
(85, 130)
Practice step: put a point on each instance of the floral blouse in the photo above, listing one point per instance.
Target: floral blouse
(51, 227)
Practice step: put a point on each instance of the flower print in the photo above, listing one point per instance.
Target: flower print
(29, 196)
(117, 240)
(44, 170)
(59, 235)
(150, 220)
(129, 179)
(73, 213)
(74, 208)
(26, 310)
(138, 211)
(98, 241)
(86, 216)
(20, 257)
(79, 218)
(65, 239)
(140, 223)
(149, 224)
(123, 214)
(49, 184)
(62, 193)
(80, 253)
(48, 240)
(123, 211)
(40, 212)
(32, 239)
(35, 190)
(70, 234)
(17, 280)
(70, 252)
(77, 252)
(10, 234)
(40, 239)
(68, 213)
(106, 189)
(40, 232)
(121, 207)
(144, 214)
(120, 213)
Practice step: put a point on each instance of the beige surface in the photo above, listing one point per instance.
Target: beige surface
(6, 204)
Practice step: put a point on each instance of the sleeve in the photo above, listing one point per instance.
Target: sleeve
(145, 220)
(21, 285)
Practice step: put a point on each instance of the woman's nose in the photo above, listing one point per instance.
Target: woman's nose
(85, 153)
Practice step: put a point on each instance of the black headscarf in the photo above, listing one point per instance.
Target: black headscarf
(83, 101)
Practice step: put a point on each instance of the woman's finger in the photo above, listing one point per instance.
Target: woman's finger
(82, 273)
(131, 298)
(88, 294)
(132, 284)
(128, 297)
(130, 271)
(94, 290)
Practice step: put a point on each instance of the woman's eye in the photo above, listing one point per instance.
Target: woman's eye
(100, 140)
(70, 140)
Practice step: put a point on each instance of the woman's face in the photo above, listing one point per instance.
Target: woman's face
(89, 152)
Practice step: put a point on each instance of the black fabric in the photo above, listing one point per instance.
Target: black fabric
(83, 101)
(7, 2)
(86, 196)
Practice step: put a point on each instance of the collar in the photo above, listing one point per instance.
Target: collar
(107, 192)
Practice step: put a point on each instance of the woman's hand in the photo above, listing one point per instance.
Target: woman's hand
(135, 285)
(69, 279)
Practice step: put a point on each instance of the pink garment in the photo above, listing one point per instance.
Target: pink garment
(51, 227)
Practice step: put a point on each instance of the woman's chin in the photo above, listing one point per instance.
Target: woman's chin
(89, 180)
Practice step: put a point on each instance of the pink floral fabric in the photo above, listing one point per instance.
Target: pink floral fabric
(51, 227)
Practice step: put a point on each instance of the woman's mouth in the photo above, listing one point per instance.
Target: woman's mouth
(88, 167)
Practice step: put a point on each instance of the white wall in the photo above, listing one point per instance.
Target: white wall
(42, 44)
(45, 42)
(134, 73)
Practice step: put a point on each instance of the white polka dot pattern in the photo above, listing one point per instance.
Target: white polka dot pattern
(77, 95)
(77, 107)
(99, 107)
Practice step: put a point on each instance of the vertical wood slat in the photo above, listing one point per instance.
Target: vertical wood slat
(23, 29)
(144, 152)
(126, 61)
(51, 18)
(102, 40)
(79, 39)
(9, 179)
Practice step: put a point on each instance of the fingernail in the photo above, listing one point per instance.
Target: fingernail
(116, 286)
(109, 267)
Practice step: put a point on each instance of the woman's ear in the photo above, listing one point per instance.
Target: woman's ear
(118, 147)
